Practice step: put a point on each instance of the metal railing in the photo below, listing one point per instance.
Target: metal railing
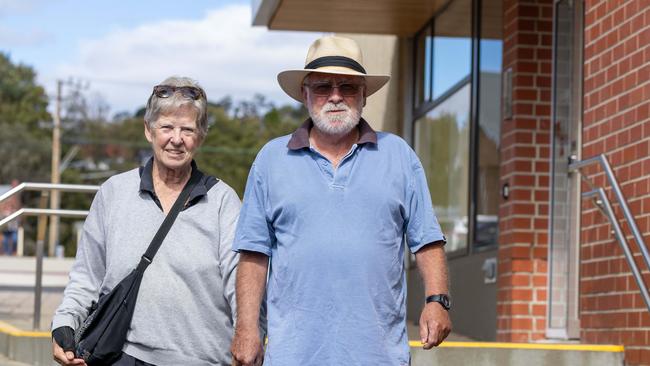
(603, 203)
(48, 187)
(42, 213)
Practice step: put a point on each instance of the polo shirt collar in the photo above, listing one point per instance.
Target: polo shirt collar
(146, 182)
(300, 138)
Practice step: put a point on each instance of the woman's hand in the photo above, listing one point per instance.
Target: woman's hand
(63, 347)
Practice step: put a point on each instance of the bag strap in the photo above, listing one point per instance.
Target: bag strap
(157, 240)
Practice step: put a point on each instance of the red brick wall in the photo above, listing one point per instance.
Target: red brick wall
(11, 205)
(523, 225)
(616, 122)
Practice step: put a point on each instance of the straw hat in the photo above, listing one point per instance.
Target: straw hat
(330, 55)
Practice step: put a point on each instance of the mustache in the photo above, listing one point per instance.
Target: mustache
(335, 107)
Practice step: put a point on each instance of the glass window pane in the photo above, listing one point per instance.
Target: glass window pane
(452, 47)
(441, 142)
(489, 129)
(487, 175)
(451, 63)
(491, 52)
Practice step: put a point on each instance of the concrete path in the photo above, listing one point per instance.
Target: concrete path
(4, 361)
(17, 281)
(17, 307)
(19, 272)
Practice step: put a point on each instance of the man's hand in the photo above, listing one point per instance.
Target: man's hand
(247, 348)
(246, 345)
(435, 325)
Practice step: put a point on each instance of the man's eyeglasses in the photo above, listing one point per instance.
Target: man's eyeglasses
(325, 89)
(166, 91)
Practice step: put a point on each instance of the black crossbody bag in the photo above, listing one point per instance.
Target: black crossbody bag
(100, 339)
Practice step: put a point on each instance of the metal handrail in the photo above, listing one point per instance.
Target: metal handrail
(48, 187)
(609, 173)
(42, 211)
(607, 207)
(71, 188)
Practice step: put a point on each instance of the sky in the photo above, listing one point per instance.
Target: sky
(120, 49)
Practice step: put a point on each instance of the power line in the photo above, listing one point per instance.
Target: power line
(119, 82)
(144, 145)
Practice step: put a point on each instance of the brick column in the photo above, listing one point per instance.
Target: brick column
(525, 158)
(616, 122)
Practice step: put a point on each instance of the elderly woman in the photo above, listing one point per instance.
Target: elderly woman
(185, 306)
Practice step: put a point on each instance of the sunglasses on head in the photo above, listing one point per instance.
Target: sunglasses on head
(326, 88)
(166, 91)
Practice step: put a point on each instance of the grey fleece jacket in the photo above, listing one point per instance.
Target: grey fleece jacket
(186, 305)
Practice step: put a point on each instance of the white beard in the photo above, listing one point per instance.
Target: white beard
(336, 124)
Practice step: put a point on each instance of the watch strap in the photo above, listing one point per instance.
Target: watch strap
(441, 299)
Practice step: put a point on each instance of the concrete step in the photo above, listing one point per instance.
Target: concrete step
(34, 348)
(20, 347)
(31, 348)
(517, 354)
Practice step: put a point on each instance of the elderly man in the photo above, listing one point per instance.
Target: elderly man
(333, 208)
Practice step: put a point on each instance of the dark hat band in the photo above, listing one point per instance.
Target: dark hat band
(335, 61)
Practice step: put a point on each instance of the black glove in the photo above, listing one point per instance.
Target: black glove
(64, 337)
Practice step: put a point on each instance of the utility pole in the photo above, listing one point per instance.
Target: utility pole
(40, 241)
(55, 177)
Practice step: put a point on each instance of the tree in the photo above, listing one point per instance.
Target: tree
(233, 140)
(237, 130)
(236, 133)
(24, 124)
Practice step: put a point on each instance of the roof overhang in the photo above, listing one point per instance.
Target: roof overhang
(398, 17)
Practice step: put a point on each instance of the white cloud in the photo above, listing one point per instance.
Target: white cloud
(12, 38)
(8, 7)
(222, 51)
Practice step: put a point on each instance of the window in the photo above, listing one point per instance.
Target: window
(449, 130)
(442, 129)
(486, 183)
(452, 58)
(442, 138)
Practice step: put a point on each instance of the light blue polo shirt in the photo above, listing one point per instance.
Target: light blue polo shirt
(336, 240)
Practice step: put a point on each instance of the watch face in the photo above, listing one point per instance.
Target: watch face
(445, 302)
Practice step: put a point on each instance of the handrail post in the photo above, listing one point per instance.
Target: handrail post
(40, 242)
(20, 247)
(42, 213)
(623, 243)
(626, 210)
(609, 173)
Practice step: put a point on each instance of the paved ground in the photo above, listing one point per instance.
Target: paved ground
(4, 361)
(17, 293)
(17, 296)
(17, 308)
(17, 290)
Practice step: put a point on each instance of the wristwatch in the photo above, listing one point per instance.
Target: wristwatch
(441, 299)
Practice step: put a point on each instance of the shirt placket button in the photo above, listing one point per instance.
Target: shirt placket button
(328, 168)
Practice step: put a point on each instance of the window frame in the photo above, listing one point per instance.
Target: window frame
(420, 108)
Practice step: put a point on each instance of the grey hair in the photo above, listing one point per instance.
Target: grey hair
(157, 106)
